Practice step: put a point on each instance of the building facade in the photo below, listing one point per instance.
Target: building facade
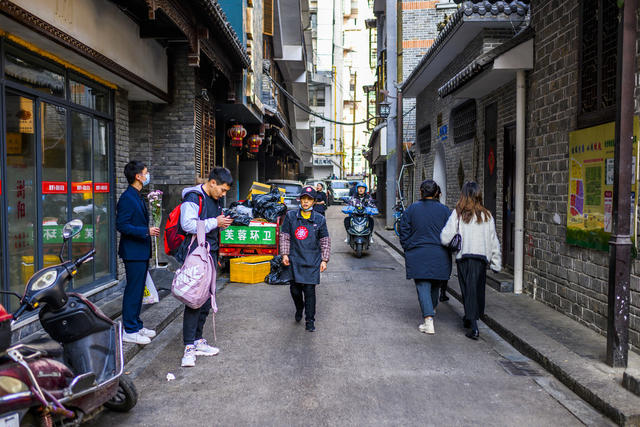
(557, 64)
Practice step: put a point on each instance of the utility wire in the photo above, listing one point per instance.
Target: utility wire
(309, 111)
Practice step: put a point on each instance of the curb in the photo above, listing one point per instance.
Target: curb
(582, 389)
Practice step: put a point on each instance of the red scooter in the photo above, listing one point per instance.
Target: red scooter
(67, 379)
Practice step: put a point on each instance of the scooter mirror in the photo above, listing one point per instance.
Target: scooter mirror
(71, 228)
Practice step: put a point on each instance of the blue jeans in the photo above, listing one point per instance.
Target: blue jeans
(428, 292)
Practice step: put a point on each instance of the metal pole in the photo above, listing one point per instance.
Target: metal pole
(620, 243)
(518, 241)
(399, 145)
(391, 23)
(353, 135)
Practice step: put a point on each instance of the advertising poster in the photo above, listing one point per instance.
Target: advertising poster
(591, 172)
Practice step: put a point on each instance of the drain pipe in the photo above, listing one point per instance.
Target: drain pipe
(518, 261)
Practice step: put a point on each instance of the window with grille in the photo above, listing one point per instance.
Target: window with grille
(463, 121)
(424, 139)
(205, 130)
(599, 30)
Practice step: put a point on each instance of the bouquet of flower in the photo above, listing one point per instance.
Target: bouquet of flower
(155, 204)
(155, 207)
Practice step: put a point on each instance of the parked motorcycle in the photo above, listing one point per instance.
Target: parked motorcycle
(67, 379)
(359, 228)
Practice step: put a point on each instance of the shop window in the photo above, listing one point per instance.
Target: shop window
(599, 34)
(90, 96)
(20, 190)
(316, 96)
(463, 121)
(424, 139)
(34, 73)
(102, 211)
(205, 138)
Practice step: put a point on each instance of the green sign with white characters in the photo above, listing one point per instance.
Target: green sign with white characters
(255, 234)
(53, 234)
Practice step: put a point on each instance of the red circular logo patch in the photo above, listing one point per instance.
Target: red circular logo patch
(302, 233)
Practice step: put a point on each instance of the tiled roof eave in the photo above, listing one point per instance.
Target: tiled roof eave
(469, 11)
(477, 66)
(220, 18)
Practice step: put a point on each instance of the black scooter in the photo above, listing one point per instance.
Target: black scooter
(359, 228)
(67, 379)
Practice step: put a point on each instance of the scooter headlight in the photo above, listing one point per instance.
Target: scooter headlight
(44, 281)
(359, 227)
(10, 385)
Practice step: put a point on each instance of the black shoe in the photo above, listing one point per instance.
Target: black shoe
(466, 323)
(310, 327)
(444, 298)
(298, 316)
(473, 334)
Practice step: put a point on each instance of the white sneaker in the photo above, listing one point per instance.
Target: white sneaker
(346, 240)
(149, 333)
(189, 357)
(136, 338)
(427, 326)
(204, 349)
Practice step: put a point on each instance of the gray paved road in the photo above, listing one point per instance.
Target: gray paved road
(367, 364)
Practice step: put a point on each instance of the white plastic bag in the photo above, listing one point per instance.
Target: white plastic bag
(150, 295)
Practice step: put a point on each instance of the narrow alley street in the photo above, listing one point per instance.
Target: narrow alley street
(367, 364)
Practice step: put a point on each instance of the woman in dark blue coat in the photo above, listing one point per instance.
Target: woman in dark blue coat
(427, 262)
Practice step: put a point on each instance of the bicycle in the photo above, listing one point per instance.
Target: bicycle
(398, 210)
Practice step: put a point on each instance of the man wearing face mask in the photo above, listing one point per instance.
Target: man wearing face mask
(132, 221)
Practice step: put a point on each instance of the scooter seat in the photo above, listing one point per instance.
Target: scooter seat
(45, 345)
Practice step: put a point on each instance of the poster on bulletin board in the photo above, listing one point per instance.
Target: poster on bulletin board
(591, 172)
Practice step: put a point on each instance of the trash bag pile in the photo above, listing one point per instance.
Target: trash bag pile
(268, 206)
(280, 274)
(242, 215)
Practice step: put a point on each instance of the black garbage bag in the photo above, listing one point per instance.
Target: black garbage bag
(241, 215)
(259, 200)
(280, 274)
(271, 211)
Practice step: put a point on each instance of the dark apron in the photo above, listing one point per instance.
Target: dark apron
(305, 251)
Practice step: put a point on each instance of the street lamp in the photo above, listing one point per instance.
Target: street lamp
(385, 109)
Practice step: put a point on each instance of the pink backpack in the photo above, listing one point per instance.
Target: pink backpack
(195, 281)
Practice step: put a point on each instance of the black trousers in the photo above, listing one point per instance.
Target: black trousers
(193, 322)
(195, 318)
(304, 297)
(472, 276)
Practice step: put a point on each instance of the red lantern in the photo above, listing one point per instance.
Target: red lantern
(237, 134)
(254, 142)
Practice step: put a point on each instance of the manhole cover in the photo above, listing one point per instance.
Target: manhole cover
(376, 268)
(518, 369)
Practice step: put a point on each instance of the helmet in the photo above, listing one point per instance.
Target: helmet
(362, 184)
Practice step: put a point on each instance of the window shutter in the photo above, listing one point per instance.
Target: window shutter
(205, 130)
(268, 17)
(197, 118)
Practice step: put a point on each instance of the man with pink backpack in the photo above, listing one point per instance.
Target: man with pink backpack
(202, 205)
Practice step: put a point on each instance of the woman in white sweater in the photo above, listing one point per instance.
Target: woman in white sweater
(480, 247)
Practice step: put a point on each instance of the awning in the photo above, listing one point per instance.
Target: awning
(285, 143)
(238, 112)
(272, 116)
(493, 69)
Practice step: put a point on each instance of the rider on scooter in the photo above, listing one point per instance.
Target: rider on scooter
(361, 196)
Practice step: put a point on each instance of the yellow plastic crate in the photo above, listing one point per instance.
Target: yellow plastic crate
(250, 269)
(27, 265)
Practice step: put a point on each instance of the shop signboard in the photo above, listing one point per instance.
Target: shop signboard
(591, 172)
(256, 234)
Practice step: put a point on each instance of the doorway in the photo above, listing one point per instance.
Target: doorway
(440, 171)
(508, 195)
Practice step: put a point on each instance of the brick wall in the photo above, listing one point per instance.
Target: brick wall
(419, 29)
(141, 133)
(122, 157)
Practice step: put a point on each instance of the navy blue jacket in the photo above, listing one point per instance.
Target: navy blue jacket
(420, 227)
(132, 221)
